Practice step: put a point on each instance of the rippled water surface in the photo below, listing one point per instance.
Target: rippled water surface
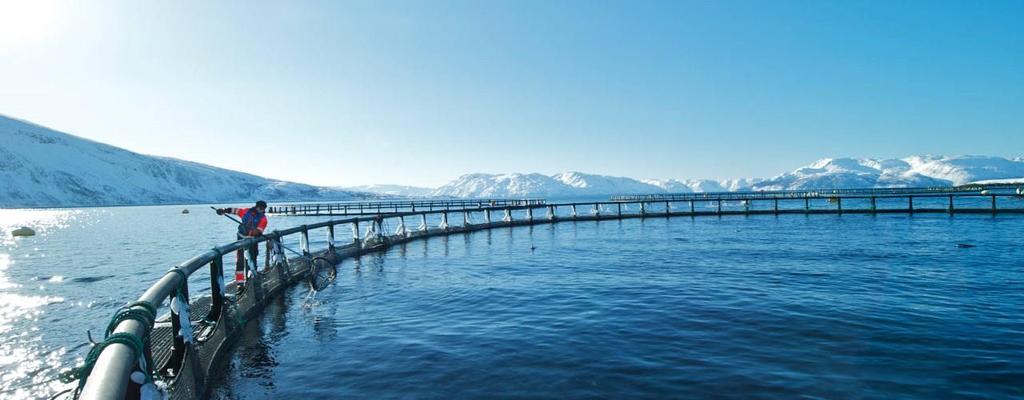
(758, 307)
(80, 267)
(848, 306)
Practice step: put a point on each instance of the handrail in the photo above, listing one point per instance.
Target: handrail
(380, 206)
(813, 193)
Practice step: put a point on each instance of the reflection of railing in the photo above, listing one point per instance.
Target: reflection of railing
(394, 206)
(186, 348)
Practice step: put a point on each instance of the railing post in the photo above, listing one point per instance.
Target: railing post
(620, 209)
(551, 213)
(465, 218)
(839, 205)
(181, 326)
(529, 213)
(668, 209)
(807, 205)
(330, 238)
(444, 219)
(423, 222)
(355, 233)
(950, 204)
(873, 207)
(217, 288)
(304, 241)
(910, 203)
(597, 210)
(691, 208)
(487, 215)
(993, 204)
(776, 205)
(643, 209)
(573, 211)
(719, 206)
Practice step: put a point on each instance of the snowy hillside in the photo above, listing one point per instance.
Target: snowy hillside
(829, 173)
(581, 184)
(392, 190)
(504, 185)
(914, 171)
(40, 167)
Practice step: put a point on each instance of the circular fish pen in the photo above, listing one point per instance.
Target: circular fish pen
(176, 354)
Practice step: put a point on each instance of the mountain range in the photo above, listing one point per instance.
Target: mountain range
(828, 173)
(41, 167)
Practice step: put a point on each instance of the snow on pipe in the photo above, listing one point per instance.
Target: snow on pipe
(508, 215)
(423, 224)
(444, 220)
(371, 233)
(400, 230)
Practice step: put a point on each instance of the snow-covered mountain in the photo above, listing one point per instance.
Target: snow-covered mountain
(829, 173)
(582, 184)
(393, 190)
(913, 171)
(504, 185)
(41, 167)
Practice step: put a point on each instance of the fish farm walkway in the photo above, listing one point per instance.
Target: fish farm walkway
(182, 349)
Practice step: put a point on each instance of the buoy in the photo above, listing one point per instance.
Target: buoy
(23, 231)
(185, 211)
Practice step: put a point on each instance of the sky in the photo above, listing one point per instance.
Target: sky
(346, 93)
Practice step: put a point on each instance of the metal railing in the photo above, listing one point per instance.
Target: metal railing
(395, 206)
(814, 193)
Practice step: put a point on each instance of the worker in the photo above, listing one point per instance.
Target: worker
(254, 221)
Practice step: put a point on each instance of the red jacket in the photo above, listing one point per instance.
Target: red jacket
(260, 225)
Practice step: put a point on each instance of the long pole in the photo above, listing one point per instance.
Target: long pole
(228, 216)
(278, 242)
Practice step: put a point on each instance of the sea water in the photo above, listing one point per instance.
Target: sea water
(848, 306)
(826, 306)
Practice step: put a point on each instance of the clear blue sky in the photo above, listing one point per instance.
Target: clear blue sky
(419, 92)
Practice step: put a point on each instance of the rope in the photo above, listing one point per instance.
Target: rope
(82, 373)
(184, 276)
(142, 311)
(145, 315)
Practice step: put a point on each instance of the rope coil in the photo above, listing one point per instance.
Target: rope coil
(145, 313)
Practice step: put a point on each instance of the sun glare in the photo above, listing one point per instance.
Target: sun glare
(26, 22)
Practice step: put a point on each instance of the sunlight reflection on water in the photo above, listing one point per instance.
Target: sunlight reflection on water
(23, 356)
